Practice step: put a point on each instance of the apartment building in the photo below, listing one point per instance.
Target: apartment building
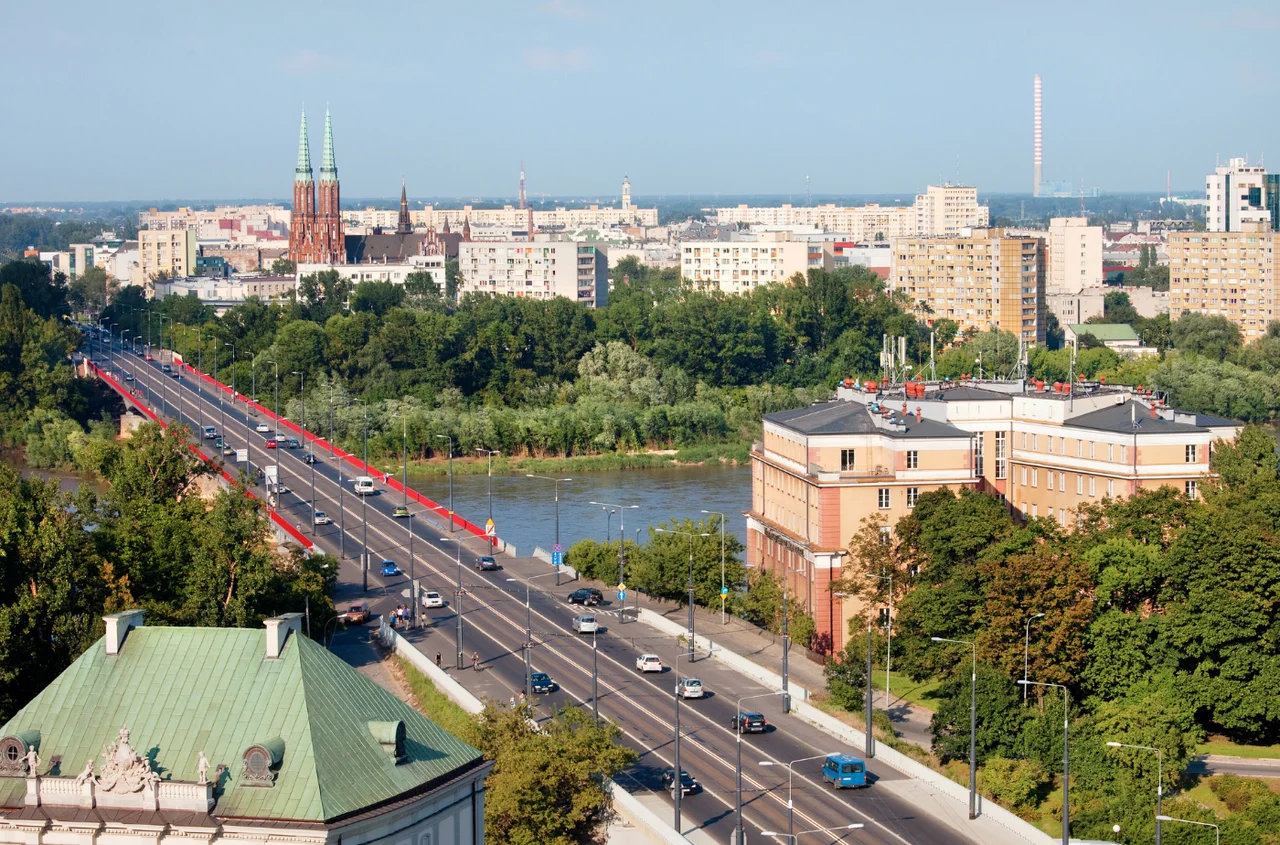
(537, 269)
(940, 210)
(172, 251)
(1074, 254)
(396, 273)
(1043, 450)
(223, 221)
(743, 266)
(947, 210)
(1228, 274)
(1238, 193)
(986, 280)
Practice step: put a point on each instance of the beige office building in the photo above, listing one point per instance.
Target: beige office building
(170, 250)
(1226, 274)
(743, 266)
(535, 269)
(987, 280)
(1075, 254)
(941, 210)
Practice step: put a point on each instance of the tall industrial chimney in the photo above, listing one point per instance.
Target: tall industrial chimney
(1039, 141)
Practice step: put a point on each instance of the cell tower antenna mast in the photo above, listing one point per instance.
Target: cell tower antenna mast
(522, 194)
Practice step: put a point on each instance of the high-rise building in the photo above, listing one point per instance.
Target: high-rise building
(1226, 274)
(941, 210)
(1037, 152)
(945, 210)
(1075, 254)
(316, 234)
(538, 270)
(1239, 193)
(989, 280)
(172, 252)
(743, 266)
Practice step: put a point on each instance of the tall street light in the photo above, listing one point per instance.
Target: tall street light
(1159, 777)
(302, 398)
(1217, 832)
(622, 540)
(608, 523)
(457, 593)
(364, 514)
(449, 437)
(973, 725)
(527, 645)
(739, 836)
(677, 783)
(793, 838)
(1026, 653)
(413, 591)
(690, 535)
(888, 649)
(557, 483)
(724, 592)
(489, 453)
(870, 745)
(279, 497)
(333, 456)
(1066, 757)
(791, 786)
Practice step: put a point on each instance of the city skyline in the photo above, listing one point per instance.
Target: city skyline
(584, 95)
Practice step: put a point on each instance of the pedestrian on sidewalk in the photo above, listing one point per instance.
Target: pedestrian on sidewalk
(437, 660)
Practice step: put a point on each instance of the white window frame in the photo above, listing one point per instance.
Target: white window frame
(884, 498)
(913, 459)
(913, 495)
(1091, 486)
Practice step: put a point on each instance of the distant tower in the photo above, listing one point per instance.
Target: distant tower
(403, 226)
(466, 228)
(529, 224)
(522, 199)
(301, 236)
(1038, 175)
(329, 238)
(626, 194)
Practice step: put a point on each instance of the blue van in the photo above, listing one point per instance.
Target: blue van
(844, 770)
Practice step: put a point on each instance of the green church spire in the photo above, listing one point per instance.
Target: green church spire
(303, 171)
(329, 167)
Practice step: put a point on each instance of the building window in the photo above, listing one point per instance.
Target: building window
(1035, 442)
(1000, 455)
(913, 459)
(1062, 481)
(913, 493)
(883, 498)
(1091, 488)
(1049, 445)
(846, 460)
(1124, 454)
(1035, 510)
(1035, 477)
(1024, 440)
(977, 456)
(1191, 455)
(1062, 445)
(1111, 452)
(1079, 448)
(1079, 485)
(1024, 476)
(1091, 444)
(1191, 489)
(886, 534)
(1111, 488)
(1048, 482)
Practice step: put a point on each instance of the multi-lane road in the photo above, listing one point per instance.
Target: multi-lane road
(494, 616)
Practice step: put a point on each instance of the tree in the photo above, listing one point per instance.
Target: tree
(452, 278)
(378, 297)
(1000, 712)
(662, 567)
(39, 290)
(89, 290)
(1248, 462)
(284, 267)
(1212, 337)
(1116, 308)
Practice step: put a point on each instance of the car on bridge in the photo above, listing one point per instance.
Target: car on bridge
(486, 563)
(432, 598)
(389, 569)
(308, 458)
(364, 485)
(400, 512)
(263, 428)
(586, 596)
(166, 369)
(271, 443)
(541, 682)
(688, 785)
(228, 449)
(149, 358)
(293, 443)
(585, 624)
(689, 688)
(844, 770)
(210, 432)
(356, 614)
(748, 723)
(128, 376)
(321, 518)
(649, 663)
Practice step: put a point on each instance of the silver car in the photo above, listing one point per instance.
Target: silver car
(585, 624)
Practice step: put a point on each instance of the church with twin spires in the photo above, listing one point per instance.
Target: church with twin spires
(315, 231)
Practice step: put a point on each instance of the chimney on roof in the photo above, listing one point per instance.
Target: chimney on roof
(918, 413)
(118, 625)
(278, 628)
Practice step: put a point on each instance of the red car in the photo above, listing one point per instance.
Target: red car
(271, 444)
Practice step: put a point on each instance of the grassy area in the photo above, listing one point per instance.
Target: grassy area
(1203, 795)
(1221, 745)
(919, 693)
(437, 706)
(733, 453)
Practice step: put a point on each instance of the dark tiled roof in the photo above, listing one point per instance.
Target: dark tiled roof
(1134, 416)
(854, 418)
(387, 247)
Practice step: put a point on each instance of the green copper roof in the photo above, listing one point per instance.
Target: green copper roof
(1105, 331)
(303, 171)
(329, 167)
(181, 691)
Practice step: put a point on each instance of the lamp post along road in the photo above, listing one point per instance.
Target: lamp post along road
(364, 518)
(302, 386)
(723, 593)
(690, 535)
(1066, 757)
(276, 497)
(527, 645)
(556, 481)
(738, 835)
(1217, 831)
(449, 437)
(888, 649)
(677, 784)
(489, 453)
(973, 725)
(1159, 777)
(622, 546)
(791, 786)
(1026, 653)
(458, 595)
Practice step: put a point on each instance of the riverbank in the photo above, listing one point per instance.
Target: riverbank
(734, 454)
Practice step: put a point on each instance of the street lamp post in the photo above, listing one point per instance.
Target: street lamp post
(791, 786)
(527, 646)
(457, 544)
(364, 515)
(279, 497)
(1026, 653)
(1066, 757)
(489, 453)
(677, 783)
(342, 511)
(608, 523)
(888, 649)
(1217, 832)
(1159, 777)
(302, 398)
(739, 837)
(723, 592)
(449, 437)
(622, 540)
(690, 535)
(794, 837)
(413, 597)
(870, 745)
(557, 483)
(973, 725)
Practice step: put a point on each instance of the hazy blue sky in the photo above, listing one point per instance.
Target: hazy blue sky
(144, 100)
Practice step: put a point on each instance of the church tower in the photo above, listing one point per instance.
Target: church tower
(403, 226)
(626, 193)
(330, 241)
(301, 235)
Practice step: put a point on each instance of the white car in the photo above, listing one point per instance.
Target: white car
(689, 688)
(585, 624)
(649, 663)
(263, 428)
(432, 599)
(321, 518)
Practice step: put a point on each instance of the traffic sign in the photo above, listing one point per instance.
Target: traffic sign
(489, 528)
(557, 548)
(622, 586)
(724, 591)
(557, 558)
(622, 595)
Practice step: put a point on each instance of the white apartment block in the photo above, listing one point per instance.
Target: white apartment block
(396, 274)
(1227, 274)
(941, 210)
(742, 266)
(170, 250)
(947, 210)
(225, 222)
(1236, 193)
(536, 269)
(1075, 254)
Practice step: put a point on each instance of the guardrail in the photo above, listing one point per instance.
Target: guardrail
(132, 399)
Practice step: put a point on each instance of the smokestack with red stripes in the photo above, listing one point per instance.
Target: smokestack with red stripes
(1039, 140)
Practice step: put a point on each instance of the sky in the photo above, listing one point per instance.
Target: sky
(156, 101)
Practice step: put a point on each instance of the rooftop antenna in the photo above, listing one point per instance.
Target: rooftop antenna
(808, 192)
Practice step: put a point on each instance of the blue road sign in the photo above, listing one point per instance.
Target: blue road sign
(622, 595)
(724, 591)
(557, 558)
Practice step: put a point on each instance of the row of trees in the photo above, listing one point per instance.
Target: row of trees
(1159, 616)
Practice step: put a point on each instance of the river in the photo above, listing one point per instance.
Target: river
(524, 508)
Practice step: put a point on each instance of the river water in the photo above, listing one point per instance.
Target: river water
(524, 508)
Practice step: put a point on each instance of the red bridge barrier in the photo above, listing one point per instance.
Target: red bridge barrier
(132, 399)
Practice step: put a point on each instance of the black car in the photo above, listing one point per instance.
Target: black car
(308, 458)
(687, 784)
(293, 443)
(751, 723)
(541, 682)
(586, 596)
(486, 563)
